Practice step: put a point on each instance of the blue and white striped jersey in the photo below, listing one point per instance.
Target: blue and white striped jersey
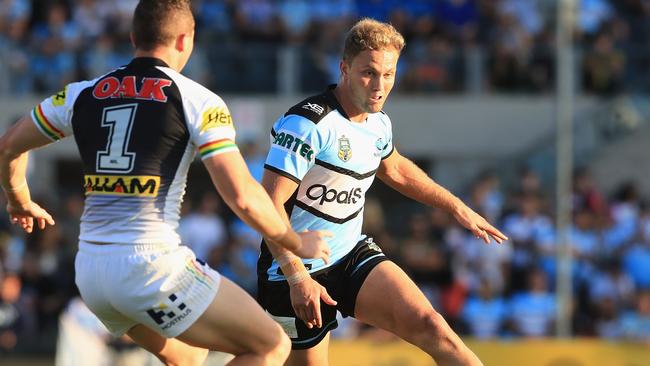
(334, 160)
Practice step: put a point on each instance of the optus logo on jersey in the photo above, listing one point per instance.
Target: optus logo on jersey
(293, 143)
(134, 185)
(320, 193)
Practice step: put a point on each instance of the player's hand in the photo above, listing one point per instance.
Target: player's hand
(478, 225)
(305, 299)
(24, 216)
(314, 245)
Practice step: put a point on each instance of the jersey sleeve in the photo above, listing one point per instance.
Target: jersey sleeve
(53, 115)
(387, 147)
(212, 129)
(295, 144)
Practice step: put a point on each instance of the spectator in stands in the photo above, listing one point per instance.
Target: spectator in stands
(603, 66)
(56, 41)
(531, 231)
(203, 230)
(636, 261)
(484, 314)
(426, 260)
(611, 283)
(532, 312)
(10, 318)
(14, 32)
(635, 325)
(459, 19)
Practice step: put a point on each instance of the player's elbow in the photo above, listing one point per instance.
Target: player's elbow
(7, 153)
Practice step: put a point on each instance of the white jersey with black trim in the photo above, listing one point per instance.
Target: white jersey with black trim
(138, 129)
(334, 160)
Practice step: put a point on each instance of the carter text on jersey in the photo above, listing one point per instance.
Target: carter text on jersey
(293, 143)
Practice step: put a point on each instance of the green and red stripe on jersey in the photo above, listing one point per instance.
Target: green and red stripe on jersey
(45, 125)
(216, 146)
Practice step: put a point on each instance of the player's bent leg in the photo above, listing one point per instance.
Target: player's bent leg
(315, 356)
(236, 324)
(169, 351)
(407, 313)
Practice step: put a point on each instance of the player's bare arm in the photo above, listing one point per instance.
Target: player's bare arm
(407, 178)
(14, 144)
(251, 203)
(306, 293)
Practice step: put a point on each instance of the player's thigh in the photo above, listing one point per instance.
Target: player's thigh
(390, 300)
(168, 349)
(315, 356)
(234, 323)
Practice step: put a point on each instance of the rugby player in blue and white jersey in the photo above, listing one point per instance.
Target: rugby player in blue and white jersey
(325, 153)
(138, 129)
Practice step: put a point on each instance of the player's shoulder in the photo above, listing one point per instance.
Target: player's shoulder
(190, 89)
(314, 108)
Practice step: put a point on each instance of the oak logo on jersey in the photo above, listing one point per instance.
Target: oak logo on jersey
(165, 316)
(294, 144)
(149, 89)
(126, 185)
(58, 99)
(322, 194)
(216, 117)
(345, 151)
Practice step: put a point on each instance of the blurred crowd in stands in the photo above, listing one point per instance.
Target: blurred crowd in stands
(452, 45)
(485, 291)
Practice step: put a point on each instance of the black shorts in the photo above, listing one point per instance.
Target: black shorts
(342, 281)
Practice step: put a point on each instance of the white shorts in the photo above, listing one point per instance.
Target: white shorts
(161, 286)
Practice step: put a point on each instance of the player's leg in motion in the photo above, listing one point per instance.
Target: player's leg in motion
(409, 315)
(169, 351)
(232, 323)
(315, 356)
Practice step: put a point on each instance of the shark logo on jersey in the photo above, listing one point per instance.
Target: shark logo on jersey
(380, 145)
(345, 151)
(372, 245)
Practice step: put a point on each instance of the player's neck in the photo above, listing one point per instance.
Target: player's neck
(345, 100)
(161, 54)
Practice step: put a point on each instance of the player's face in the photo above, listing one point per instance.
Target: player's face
(370, 77)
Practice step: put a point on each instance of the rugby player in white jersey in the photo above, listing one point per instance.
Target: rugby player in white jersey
(325, 153)
(137, 129)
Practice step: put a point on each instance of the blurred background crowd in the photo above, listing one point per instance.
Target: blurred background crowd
(453, 46)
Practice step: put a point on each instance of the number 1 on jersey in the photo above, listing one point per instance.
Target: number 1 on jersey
(116, 158)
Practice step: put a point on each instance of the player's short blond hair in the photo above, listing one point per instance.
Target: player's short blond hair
(370, 34)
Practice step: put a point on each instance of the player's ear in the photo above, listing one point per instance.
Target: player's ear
(180, 43)
(184, 41)
(132, 38)
(344, 68)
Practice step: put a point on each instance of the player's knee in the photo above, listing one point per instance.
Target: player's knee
(435, 334)
(279, 348)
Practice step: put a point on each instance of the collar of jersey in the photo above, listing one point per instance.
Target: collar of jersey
(147, 61)
(331, 100)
